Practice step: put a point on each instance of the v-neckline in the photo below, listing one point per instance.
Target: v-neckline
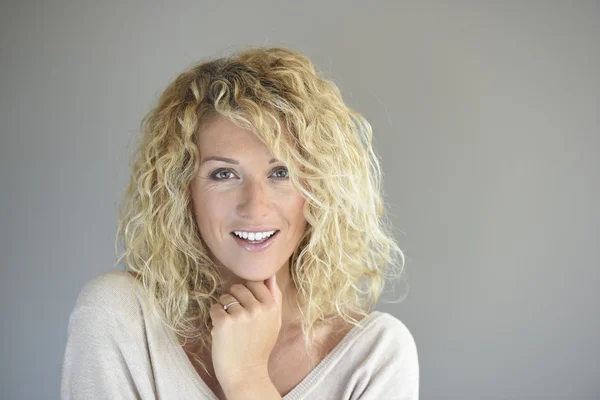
(186, 367)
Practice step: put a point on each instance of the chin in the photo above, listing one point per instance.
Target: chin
(251, 271)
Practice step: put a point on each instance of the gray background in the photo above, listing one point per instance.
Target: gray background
(486, 116)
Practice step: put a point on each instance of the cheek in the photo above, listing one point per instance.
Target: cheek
(295, 211)
(210, 209)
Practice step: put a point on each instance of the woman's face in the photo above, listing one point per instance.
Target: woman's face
(241, 188)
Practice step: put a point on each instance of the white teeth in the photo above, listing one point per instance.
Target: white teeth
(254, 236)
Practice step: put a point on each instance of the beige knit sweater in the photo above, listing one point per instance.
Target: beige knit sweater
(117, 348)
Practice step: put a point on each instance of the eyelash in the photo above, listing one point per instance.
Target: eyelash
(216, 172)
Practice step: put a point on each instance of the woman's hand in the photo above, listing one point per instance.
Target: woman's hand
(244, 335)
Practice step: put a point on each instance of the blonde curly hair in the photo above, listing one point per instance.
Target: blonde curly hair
(341, 262)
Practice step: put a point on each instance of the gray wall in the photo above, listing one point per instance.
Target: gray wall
(486, 117)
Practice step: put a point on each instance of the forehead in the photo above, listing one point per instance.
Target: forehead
(222, 134)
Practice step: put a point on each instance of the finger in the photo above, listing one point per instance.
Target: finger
(226, 298)
(244, 296)
(217, 313)
(260, 291)
(271, 283)
(233, 309)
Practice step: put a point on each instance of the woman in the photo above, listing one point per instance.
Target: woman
(255, 246)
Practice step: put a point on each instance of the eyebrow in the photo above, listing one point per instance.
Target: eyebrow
(229, 160)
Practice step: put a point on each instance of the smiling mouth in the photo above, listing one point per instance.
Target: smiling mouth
(255, 241)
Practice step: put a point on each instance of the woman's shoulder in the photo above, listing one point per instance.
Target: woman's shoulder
(389, 330)
(112, 290)
(390, 322)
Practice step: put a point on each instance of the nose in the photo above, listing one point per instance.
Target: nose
(255, 201)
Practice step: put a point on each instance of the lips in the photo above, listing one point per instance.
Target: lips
(254, 246)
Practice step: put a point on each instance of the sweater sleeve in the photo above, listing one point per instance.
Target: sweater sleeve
(104, 357)
(397, 375)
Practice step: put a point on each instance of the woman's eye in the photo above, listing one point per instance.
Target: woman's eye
(221, 174)
(281, 173)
